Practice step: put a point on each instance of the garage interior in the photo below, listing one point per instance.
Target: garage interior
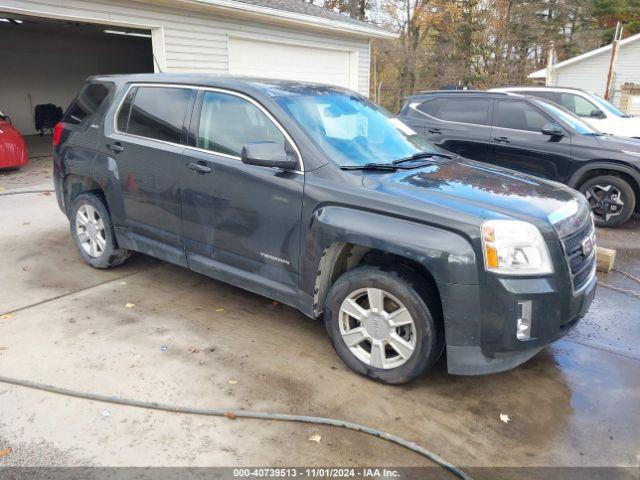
(47, 60)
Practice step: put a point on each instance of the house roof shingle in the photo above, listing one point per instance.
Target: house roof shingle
(304, 8)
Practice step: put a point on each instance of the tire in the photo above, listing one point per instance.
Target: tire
(100, 252)
(611, 198)
(398, 284)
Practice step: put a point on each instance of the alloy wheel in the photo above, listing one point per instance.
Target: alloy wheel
(377, 328)
(91, 231)
(606, 201)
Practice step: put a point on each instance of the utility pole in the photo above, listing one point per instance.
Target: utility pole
(551, 63)
(615, 46)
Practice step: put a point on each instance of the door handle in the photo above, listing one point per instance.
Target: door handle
(502, 139)
(435, 130)
(199, 167)
(115, 147)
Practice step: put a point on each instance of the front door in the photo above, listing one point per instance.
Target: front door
(518, 142)
(241, 223)
(145, 147)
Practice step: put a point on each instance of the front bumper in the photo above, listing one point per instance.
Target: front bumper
(481, 320)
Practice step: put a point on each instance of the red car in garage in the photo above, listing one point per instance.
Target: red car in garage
(13, 150)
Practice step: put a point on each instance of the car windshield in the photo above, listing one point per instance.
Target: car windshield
(607, 106)
(351, 130)
(573, 121)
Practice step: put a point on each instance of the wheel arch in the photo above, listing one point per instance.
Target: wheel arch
(74, 185)
(597, 169)
(351, 238)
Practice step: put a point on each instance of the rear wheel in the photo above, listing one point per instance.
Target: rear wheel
(611, 198)
(93, 233)
(381, 325)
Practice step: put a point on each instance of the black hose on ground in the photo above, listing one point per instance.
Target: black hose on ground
(232, 414)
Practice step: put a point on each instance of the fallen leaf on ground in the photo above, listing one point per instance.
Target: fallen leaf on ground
(5, 452)
(46, 194)
(505, 418)
(219, 309)
(130, 305)
(193, 350)
(230, 415)
(315, 438)
(7, 316)
(26, 268)
(233, 382)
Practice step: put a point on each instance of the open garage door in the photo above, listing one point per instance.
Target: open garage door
(45, 61)
(259, 58)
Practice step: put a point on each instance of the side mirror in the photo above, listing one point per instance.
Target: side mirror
(268, 154)
(553, 130)
(595, 113)
(4, 117)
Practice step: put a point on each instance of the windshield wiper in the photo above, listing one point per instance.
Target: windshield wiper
(421, 155)
(371, 166)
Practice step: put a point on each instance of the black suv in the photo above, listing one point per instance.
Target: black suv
(535, 136)
(314, 197)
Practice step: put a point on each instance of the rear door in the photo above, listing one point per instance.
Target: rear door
(241, 222)
(457, 123)
(518, 142)
(144, 147)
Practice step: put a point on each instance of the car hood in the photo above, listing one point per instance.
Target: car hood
(476, 190)
(619, 143)
(622, 126)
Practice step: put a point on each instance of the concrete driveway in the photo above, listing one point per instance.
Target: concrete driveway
(190, 340)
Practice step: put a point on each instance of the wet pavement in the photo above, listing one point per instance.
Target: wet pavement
(190, 340)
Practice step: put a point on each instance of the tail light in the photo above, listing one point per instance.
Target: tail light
(57, 133)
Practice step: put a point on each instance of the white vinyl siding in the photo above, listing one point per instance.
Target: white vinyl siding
(590, 74)
(194, 41)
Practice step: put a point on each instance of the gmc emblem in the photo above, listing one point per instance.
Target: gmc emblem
(588, 244)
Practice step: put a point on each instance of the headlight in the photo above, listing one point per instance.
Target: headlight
(512, 247)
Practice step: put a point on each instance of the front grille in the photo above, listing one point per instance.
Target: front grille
(580, 265)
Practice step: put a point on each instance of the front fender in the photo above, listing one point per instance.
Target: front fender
(579, 175)
(449, 257)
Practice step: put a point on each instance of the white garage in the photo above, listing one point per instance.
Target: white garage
(55, 45)
(287, 61)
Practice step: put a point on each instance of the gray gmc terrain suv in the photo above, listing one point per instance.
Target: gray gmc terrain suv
(314, 197)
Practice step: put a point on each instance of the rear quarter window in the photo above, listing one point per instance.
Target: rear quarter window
(83, 109)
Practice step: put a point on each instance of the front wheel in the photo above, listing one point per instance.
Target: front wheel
(611, 198)
(382, 323)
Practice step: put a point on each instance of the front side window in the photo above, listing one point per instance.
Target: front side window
(157, 113)
(228, 122)
(518, 115)
(86, 104)
(351, 130)
(577, 104)
(564, 115)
